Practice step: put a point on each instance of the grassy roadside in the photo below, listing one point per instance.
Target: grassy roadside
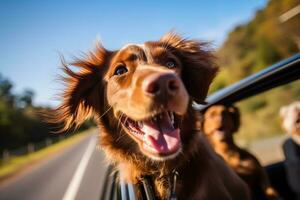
(18, 163)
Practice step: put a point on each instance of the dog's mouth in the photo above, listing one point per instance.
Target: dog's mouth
(159, 135)
(219, 134)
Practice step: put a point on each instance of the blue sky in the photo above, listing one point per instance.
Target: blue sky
(34, 33)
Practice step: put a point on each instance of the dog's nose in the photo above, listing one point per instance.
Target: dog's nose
(157, 84)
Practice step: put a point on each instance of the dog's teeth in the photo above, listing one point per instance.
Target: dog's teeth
(172, 118)
(152, 120)
(140, 124)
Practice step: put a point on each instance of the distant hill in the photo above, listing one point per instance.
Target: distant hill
(251, 47)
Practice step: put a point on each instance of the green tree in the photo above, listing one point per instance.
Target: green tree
(26, 98)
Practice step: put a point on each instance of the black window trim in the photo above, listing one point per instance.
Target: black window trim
(280, 73)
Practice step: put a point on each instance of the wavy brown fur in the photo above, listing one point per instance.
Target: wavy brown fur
(202, 174)
(227, 119)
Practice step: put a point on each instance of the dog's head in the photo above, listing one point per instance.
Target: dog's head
(139, 94)
(221, 122)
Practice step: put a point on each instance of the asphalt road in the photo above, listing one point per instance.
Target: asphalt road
(75, 173)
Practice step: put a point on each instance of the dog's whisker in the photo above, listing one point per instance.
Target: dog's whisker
(125, 121)
(119, 120)
(119, 127)
(121, 134)
(106, 112)
(119, 137)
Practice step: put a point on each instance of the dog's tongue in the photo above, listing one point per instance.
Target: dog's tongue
(160, 136)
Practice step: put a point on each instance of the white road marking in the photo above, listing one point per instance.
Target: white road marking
(76, 180)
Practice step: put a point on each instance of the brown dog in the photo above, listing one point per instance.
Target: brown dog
(141, 97)
(220, 123)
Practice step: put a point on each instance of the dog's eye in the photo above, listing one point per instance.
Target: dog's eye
(171, 64)
(121, 69)
(212, 114)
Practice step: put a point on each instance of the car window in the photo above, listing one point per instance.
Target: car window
(260, 129)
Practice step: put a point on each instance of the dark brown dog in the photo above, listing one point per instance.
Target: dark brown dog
(141, 97)
(220, 124)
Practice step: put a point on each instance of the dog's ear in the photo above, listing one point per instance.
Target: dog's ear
(198, 62)
(235, 116)
(83, 94)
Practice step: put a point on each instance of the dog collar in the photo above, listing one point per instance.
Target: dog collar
(149, 189)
